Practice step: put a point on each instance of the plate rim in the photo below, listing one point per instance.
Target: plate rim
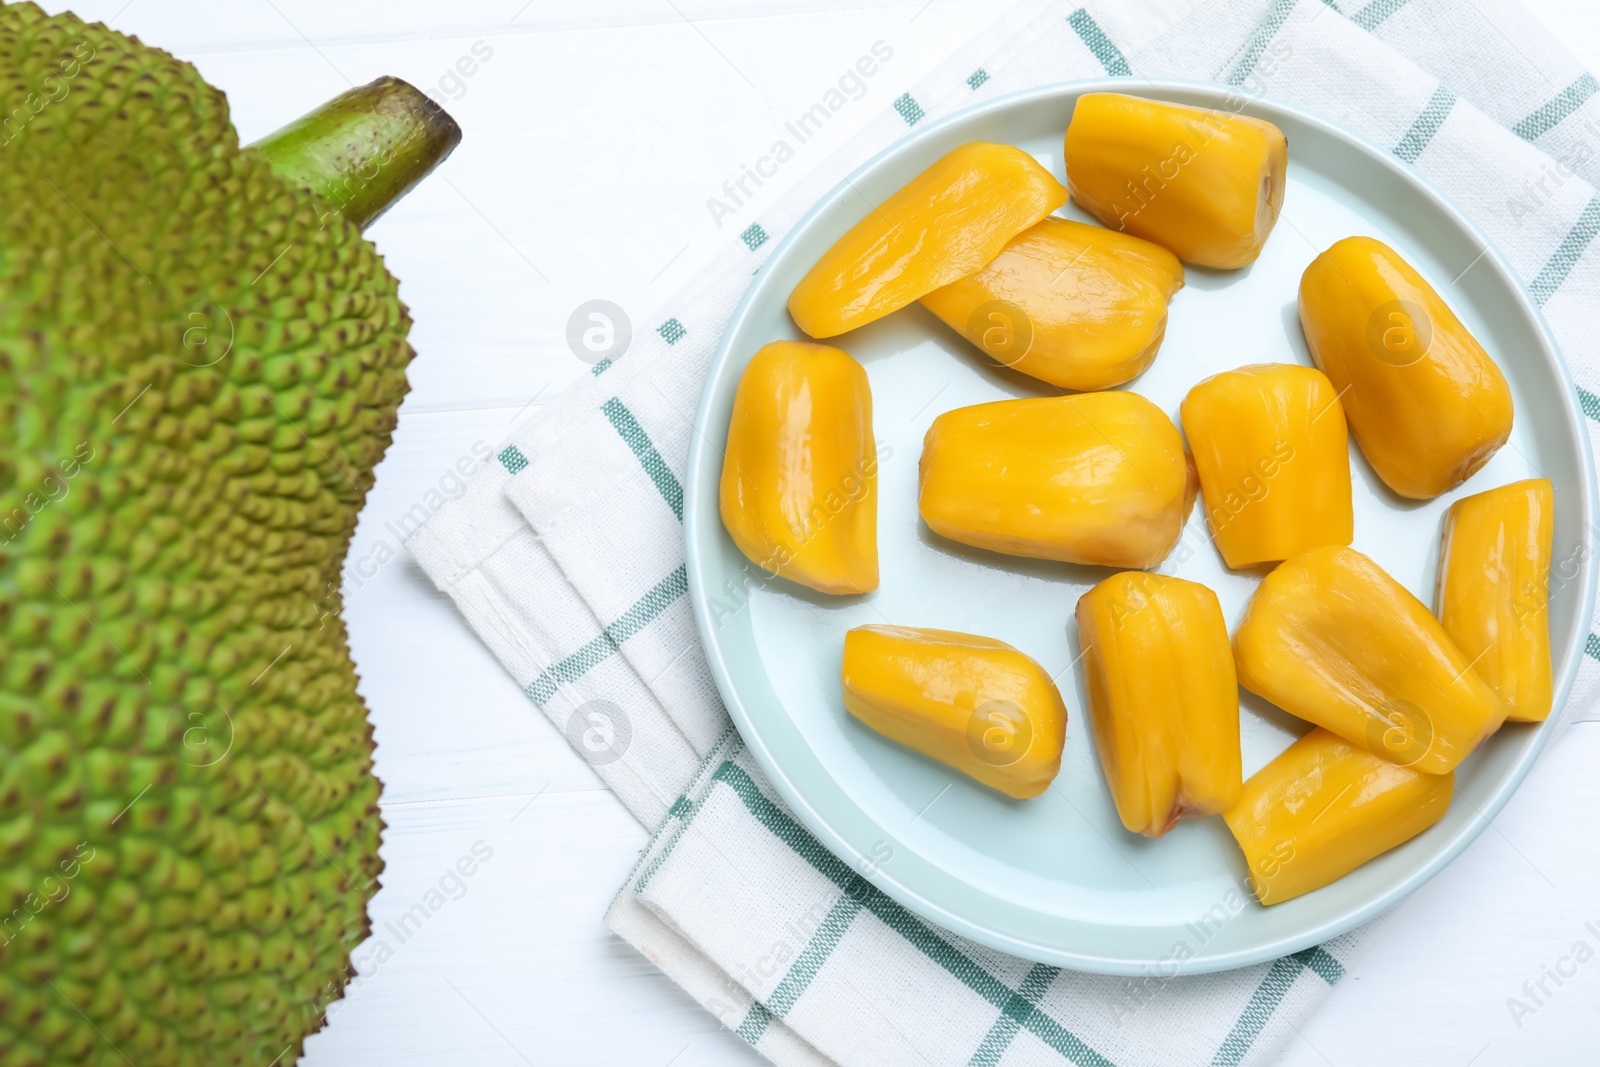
(701, 596)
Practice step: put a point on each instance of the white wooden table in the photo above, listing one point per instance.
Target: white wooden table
(595, 132)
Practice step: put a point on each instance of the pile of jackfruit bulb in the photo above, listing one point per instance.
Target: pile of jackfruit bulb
(1398, 695)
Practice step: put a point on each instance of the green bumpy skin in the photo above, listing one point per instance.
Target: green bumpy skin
(189, 826)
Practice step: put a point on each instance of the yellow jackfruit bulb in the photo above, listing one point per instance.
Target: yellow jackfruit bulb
(1163, 700)
(1270, 445)
(1077, 306)
(1425, 402)
(945, 223)
(799, 492)
(1493, 591)
(972, 703)
(1206, 184)
(1324, 807)
(1097, 478)
(1332, 638)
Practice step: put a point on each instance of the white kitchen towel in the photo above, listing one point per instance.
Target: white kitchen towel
(567, 557)
(797, 934)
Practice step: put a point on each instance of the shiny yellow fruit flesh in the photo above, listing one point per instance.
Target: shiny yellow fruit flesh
(799, 492)
(1493, 591)
(1324, 807)
(1206, 184)
(1098, 478)
(1426, 404)
(1270, 445)
(1077, 306)
(1332, 638)
(1163, 700)
(945, 223)
(972, 703)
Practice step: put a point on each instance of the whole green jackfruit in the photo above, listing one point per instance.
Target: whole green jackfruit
(200, 364)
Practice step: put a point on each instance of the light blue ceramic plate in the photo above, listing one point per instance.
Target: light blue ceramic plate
(1057, 879)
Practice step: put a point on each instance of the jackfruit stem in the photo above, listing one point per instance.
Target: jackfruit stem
(364, 149)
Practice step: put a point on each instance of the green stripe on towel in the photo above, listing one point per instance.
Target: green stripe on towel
(597, 651)
(1259, 40)
(671, 331)
(1589, 403)
(1023, 1001)
(1095, 39)
(1018, 1008)
(1371, 16)
(1549, 116)
(1427, 124)
(1321, 963)
(1567, 254)
(816, 953)
(645, 450)
(897, 918)
(755, 1023)
(1269, 994)
(906, 107)
(512, 459)
(683, 809)
(1263, 1002)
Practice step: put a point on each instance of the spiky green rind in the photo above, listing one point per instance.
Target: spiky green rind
(196, 380)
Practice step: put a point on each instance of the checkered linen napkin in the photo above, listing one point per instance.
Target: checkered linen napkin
(567, 557)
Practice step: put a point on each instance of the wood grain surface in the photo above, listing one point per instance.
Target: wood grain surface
(595, 132)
